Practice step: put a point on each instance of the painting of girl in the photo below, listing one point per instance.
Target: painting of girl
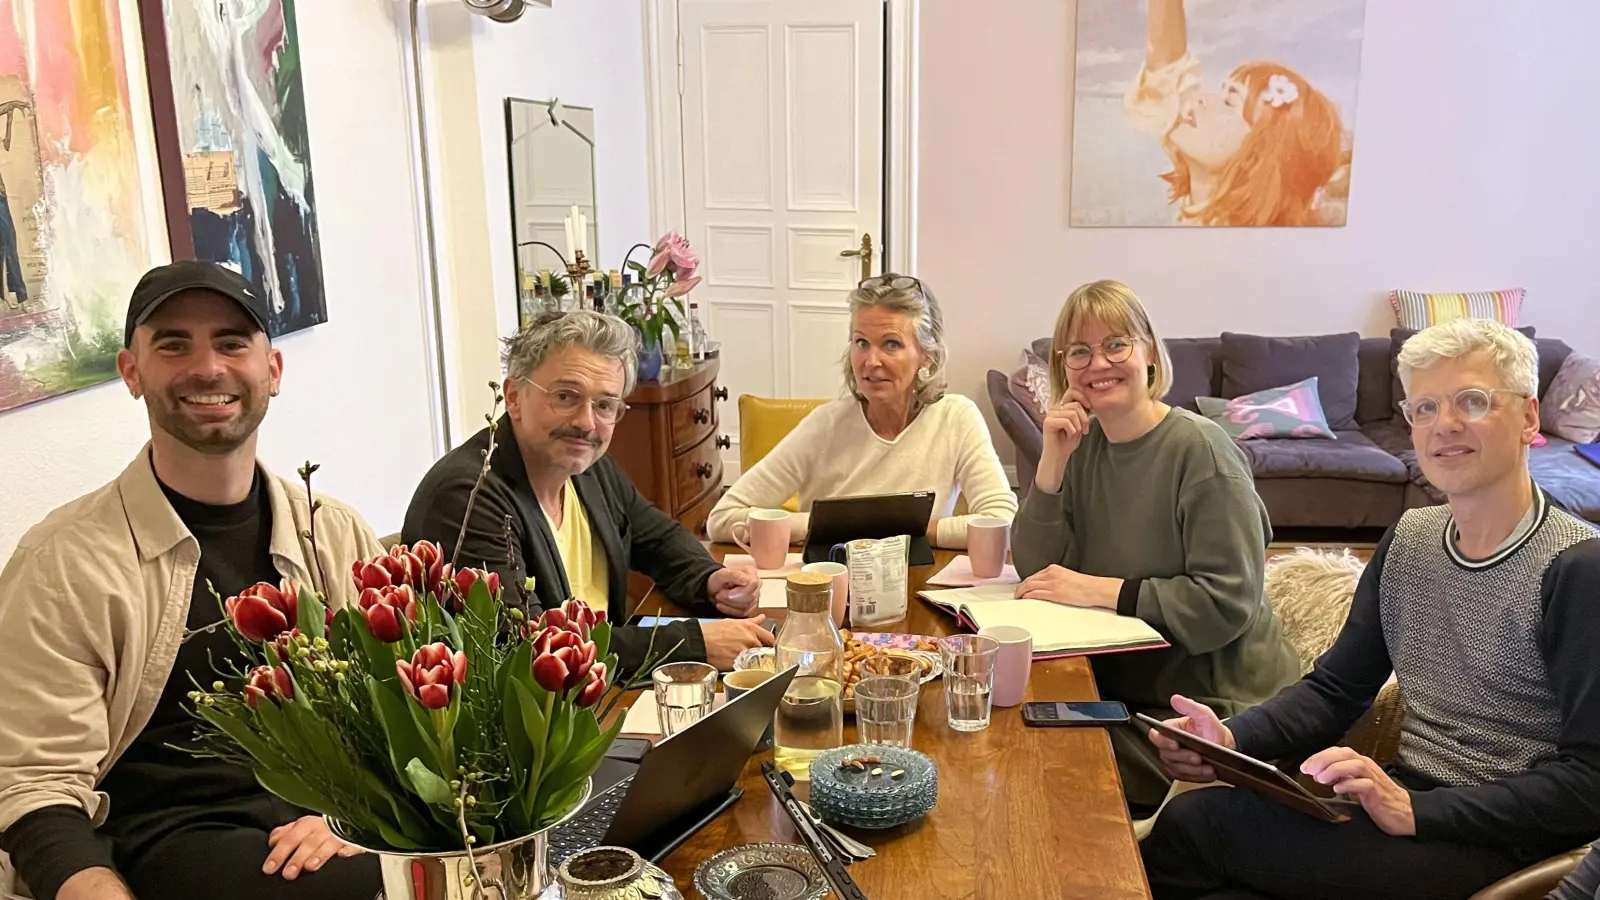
(1267, 144)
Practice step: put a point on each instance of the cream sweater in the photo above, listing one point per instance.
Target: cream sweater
(833, 452)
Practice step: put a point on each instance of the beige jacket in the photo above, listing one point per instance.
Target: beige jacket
(93, 606)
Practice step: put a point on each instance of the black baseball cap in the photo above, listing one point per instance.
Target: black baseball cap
(163, 282)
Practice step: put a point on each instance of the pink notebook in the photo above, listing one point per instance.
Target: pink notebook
(1058, 631)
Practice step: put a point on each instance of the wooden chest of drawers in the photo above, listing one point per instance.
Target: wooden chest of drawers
(668, 443)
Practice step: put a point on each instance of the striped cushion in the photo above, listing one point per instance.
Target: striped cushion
(1418, 310)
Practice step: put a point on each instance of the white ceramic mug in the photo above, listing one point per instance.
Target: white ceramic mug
(840, 573)
(987, 540)
(1012, 664)
(765, 536)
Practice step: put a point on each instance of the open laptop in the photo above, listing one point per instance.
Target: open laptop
(841, 519)
(680, 784)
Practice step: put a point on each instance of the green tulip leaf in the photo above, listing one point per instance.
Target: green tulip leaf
(240, 731)
(290, 789)
(429, 786)
(601, 635)
(312, 619)
(404, 741)
(482, 606)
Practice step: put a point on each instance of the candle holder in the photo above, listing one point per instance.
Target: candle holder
(577, 271)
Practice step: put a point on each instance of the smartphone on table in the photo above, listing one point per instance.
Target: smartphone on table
(1067, 715)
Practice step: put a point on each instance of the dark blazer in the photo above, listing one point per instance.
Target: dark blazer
(634, 534)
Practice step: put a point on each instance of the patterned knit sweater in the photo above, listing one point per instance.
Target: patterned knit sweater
(1498, 662)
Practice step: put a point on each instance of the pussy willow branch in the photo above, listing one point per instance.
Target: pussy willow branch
(310, 534)
(467, 840)
(483, 473)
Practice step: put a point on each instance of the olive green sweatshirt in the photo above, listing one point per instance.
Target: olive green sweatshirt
(1175, 514)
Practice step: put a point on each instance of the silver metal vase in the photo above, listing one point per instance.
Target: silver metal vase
(517, 869)
(610, 873)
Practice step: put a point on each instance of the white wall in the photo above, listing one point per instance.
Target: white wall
(587, 53)
(354, 393)
(1473, 170)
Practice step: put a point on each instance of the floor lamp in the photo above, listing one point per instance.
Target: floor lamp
(498, 11)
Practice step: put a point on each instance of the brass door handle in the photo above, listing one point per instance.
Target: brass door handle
(864, 252)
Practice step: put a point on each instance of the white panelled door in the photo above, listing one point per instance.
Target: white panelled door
(782, 124)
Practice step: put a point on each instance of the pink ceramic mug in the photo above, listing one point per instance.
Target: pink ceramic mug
(987, 540)
(765, 536)
(1012, 664)
(841, 585)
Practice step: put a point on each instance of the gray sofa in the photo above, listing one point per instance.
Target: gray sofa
(1365, 478)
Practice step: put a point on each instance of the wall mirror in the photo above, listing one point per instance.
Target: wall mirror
(550, 146)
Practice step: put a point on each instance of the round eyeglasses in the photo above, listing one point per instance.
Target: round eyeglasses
(1470, 405)
(1115, 349)
(568, 402)
(893, 282)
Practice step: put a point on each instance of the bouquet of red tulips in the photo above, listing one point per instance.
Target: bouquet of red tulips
(424, 717)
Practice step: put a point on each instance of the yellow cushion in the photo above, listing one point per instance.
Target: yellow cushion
(763, 422)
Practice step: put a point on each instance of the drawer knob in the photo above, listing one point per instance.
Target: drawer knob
(720, 393)
(724, 442)
(704, 470)
(702, 416)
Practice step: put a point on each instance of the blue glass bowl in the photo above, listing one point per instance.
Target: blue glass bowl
(851, 796)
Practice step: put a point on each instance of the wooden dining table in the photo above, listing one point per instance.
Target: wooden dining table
(1022, 812)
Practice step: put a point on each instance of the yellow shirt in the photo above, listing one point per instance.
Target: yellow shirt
(581, 555)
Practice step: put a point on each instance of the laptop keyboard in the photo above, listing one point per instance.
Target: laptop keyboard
(589, 828)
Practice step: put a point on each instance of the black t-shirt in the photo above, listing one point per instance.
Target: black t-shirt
(156, 788)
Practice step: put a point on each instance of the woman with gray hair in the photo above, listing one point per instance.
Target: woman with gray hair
(897, 430)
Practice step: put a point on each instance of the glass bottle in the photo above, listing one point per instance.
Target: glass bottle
(810, 718)
(697, 334)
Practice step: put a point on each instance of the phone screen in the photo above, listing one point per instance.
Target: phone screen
(1103, 711)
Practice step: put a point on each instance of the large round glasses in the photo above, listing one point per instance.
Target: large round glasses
(1115, 349)
(1470, 405)
(893, 282)
(567, 402)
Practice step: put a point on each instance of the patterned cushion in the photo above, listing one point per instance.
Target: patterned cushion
(1414, 309)
(1293, 411)
(1030, 384)
(1571, 407)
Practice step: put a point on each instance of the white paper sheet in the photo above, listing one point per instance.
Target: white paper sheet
(790, 566)
(959, 574)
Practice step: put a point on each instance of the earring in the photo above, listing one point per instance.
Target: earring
(924, 373)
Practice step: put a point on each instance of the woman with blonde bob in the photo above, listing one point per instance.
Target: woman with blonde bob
(1148, 510)
(897, 429)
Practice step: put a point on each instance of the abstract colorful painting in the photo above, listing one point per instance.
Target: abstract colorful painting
(1214, 112)
(80, 198)
(240, 104)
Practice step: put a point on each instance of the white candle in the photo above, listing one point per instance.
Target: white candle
(577, 229)
(570, 243)
(583, 233)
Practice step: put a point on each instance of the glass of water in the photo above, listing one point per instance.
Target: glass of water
(886, 710)
(685, 693)
(968, 679)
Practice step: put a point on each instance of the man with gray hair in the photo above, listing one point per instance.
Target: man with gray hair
(577, 525)
(1487, 610)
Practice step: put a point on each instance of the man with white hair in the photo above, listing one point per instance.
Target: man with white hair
(554, 508)
(1487, 610)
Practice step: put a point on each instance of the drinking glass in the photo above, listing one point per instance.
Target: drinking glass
(968, 679)
(886, 710)
(685, 693)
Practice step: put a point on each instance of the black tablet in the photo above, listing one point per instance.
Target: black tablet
(838, 520)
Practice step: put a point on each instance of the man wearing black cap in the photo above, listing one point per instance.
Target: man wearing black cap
(103, 608)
